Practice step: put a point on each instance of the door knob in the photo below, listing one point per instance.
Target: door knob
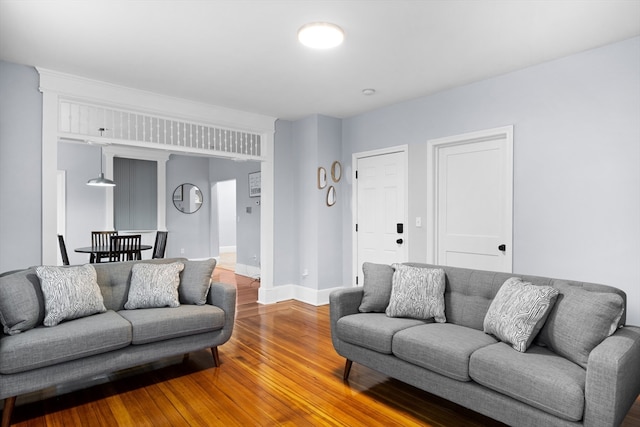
(502, 247)
(399, 241)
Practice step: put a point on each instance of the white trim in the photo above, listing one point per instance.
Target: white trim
(433, 147)
(227, 249)
(354, 200)
(296, 292)
(248, 270)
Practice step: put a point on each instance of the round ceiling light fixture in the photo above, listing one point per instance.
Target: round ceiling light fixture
(368, 91)
(320, 35)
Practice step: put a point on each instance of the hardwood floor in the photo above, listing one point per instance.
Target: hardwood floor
(278, 369)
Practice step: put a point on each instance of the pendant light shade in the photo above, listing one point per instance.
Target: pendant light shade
(101, 181)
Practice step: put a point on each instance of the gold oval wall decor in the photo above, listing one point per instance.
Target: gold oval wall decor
(336, 171)
(331, 196)
(322, 178)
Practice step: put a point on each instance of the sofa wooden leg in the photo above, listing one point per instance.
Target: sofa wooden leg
(9, 404)
(216, 356)
(185, 358)
(347, 370)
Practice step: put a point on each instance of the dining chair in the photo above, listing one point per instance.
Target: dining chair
(160, 244)
(100, 238)
(125, 248)
(63, 250)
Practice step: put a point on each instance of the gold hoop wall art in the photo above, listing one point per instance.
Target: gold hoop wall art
(336, 171)
(322, 178)
(331, 196)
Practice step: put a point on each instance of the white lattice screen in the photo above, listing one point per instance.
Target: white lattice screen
(83, 119)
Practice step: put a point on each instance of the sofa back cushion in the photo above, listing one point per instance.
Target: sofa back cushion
(21, 301)
(580, 320)
(469, 293)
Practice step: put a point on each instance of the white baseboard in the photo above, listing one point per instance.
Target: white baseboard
(299, 293)
(225, 249)
(248, 270)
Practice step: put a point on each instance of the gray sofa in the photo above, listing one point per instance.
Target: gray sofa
(570, 375)
(34, 356)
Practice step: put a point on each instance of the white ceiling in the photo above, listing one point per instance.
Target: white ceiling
(244, 54)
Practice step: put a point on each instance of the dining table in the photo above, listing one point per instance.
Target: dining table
(103, 251)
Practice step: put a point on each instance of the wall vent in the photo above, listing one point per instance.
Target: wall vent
(83, 119)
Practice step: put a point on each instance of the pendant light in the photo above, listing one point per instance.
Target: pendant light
(101, 181)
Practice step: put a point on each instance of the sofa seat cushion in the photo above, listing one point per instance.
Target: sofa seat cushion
(539, 378)
(444, 348)
(158, 324)
(75, 339)
(372, 330)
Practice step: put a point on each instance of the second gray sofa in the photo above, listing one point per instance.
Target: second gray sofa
(581, 370)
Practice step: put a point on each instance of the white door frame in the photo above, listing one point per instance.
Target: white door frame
(354, 199)
(433, 147)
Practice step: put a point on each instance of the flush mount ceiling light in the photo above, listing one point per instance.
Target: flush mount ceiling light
(320, 35)
(368, 91)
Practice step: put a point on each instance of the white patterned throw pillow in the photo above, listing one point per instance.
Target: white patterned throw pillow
(417, 293)
(518, 312)
(69, 293)
(154, 285)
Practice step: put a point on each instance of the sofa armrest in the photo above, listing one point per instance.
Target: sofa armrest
(223, 295)
(613, 378)
(343, 302)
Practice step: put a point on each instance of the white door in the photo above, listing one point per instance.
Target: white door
(473, 176)
(381, 206)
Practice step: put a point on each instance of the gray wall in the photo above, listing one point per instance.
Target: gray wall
(314, 142)
(576, 160)
(85, 205)
(286, 219)
(20, 167)
(188, 233)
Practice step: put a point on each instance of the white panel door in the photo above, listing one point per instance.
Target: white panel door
(473, 202)
(381, 210)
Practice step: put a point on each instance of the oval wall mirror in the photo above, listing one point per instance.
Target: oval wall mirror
(331, 196)
(336, 171)
(322, 177)
(187, 198)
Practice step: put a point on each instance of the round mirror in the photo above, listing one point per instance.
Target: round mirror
(187, 198)
(331, 196)
(336, 171)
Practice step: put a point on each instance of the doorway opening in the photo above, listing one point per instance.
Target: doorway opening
(226, 226)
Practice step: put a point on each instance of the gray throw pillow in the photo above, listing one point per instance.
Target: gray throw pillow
(154, 285)
(518, 312)
(579, 321)
(69, 293)
(376, 287)
(195, 281)
(417, 293)
(21, 302)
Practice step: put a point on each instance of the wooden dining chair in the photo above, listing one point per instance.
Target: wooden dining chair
(63, 250)
(125, 248)
(100, 238)
(160, 244)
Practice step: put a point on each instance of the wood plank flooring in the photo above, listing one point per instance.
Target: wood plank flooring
(279, 369)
